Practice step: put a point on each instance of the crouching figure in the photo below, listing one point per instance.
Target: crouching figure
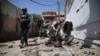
(67, 29)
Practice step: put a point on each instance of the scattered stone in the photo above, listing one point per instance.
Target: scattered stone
(97, 33)
(87, 45)
(35, 53)
(13, 42)
(10, 46)
(64, 53)
(86, 52)
(95, 47)
(97, 42)
(1, 53)
(76, 41)
(40, 41)
(93, 53)
(43, 50)
(56, 54)
(46, 49)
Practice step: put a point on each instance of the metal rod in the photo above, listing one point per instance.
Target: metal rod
(58, 3)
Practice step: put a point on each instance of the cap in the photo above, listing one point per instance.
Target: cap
(24, 9)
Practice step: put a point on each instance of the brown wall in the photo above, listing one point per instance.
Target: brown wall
(9, 29)
(9, 24)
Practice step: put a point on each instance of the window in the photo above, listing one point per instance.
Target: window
(77, 10)
(86, 1)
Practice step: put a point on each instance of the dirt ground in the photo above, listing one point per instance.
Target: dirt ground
(37, 48)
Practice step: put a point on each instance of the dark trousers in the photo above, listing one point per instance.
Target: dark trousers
(24, 33)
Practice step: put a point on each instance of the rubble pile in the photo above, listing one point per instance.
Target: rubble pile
(38, 48)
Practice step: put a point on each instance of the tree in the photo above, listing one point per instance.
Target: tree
(37, 19)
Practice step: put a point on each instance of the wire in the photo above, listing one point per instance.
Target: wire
(62, 2)
(42, 4)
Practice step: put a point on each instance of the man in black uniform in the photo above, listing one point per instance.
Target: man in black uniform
(67, 29)
(24, 26)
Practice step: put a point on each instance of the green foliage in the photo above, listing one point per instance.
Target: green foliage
(37, 19)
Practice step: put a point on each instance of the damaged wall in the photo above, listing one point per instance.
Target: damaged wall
(85, 15)
(9, 28)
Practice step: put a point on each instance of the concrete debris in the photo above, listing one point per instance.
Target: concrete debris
(10, 46)
(42, 50)
(97, 42)
(56, 54)
(86, 52)
(95, 47)
(41, 40)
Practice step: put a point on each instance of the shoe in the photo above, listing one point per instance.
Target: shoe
(26, 44)
(21, 46)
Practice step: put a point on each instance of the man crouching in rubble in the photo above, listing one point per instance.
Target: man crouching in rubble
(54, 32)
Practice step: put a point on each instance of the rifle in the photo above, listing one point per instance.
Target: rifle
(17, 21)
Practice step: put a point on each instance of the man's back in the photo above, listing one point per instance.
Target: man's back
(68, 26)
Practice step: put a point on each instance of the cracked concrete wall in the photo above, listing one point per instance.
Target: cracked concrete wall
(85, 15)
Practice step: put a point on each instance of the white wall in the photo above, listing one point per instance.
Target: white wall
(87, 20)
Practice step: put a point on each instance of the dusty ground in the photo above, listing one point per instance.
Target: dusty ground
(38, 48)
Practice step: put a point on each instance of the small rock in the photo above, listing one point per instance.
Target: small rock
(56, 54)
(13, 42)
(76, 42)
(86, 52)
(97, 42)
(95, 47)
(93, 53)
(3, 53)
(87, 45)
(11, 46)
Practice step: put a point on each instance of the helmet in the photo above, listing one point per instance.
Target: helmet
(25, 9)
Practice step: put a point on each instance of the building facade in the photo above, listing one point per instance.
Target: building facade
(62, 15)
(49, 16)
(85, 15)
